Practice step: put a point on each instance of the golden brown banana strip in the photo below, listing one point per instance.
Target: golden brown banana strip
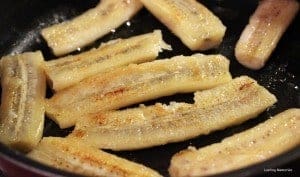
(265, 28)
(225, 105)
(79, 158)
(193, 23)
(69, 70)
(107, 15)
(136, 83)
(22, 101)
(273, 137)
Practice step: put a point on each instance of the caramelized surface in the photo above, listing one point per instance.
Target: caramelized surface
(266, 140)
(69, 70)
(79, 158)
(214, 109)
(136, 83)
(66, 37)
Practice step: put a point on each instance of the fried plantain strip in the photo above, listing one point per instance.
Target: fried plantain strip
(262, 34)
(135, 83)
(215, 109)
(107, 15)
(70, 70)
(79, 158)
(273, 137)
(22, 101)
(193, 23)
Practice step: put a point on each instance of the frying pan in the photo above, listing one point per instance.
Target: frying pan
(22, 20)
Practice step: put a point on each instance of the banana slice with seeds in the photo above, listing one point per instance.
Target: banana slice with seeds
(193, 23)
(91, 25)
(136, 83)
(215, 109)
(70, 70)
(22, 105)
(273, 137)
(79, 158)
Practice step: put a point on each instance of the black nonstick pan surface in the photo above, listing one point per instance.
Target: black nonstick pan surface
(22, 20)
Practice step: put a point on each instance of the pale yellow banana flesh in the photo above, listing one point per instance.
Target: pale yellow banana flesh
(136, 83)
(273, 137)
(196, 26)
(69, 70)
(265, 28)
(225, 105)
(22, 101)
(107, 15)
(79, 158)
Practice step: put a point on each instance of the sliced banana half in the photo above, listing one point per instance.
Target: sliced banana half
(22, 100)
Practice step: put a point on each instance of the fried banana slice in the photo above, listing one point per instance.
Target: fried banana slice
(22, 101)
(196, 26)
(273, 137)
(132, 84)
(69, 70)
(79, 158)
(215, 109)
(262, 34)
(107, 15)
